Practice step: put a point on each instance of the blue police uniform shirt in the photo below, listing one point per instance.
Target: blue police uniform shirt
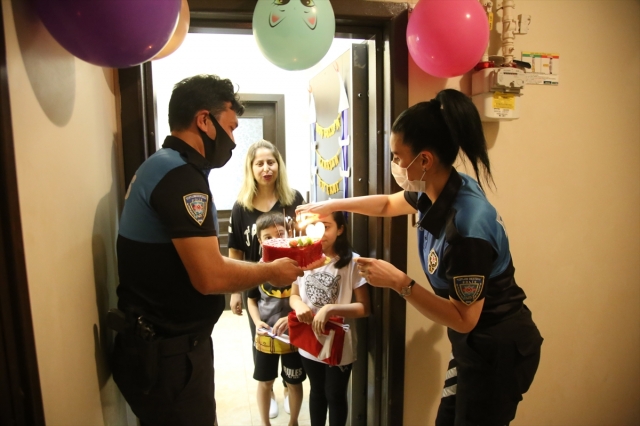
(464, 249)
(169, 197)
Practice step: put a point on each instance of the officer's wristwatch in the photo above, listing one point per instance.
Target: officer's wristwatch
(406, 291)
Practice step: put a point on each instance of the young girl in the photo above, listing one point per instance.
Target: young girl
(327, 292)
(269, 307)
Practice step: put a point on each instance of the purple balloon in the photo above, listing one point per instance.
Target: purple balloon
(110, 33)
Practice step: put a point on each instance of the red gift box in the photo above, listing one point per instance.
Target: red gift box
(327, 346)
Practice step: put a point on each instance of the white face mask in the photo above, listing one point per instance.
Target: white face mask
(401, 175)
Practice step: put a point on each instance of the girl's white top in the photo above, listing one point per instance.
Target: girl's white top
(328, 285)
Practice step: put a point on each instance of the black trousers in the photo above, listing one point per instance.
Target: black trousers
(183, 393)
(328, 391)
(491, 368)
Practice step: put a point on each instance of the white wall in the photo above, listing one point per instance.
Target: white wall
(66, 138)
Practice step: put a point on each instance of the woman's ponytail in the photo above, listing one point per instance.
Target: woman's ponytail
(465, 127)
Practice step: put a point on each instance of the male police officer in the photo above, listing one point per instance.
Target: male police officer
(172, 275)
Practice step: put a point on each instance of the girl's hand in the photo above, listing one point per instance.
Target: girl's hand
(379, 273)
(262, 324)
(320, 320)
(280, 326)
(304, 314)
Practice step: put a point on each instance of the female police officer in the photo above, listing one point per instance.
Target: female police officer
(464, 251)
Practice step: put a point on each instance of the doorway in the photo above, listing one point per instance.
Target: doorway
(384, 24)
(279, 109)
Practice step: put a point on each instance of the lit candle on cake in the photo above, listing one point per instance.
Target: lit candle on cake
(284, 215)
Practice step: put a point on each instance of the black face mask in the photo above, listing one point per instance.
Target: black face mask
(218, 151)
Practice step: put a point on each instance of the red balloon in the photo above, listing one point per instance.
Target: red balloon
(110, 33)
(447, 38)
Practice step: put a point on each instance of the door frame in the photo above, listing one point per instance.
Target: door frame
(278, 102)
(20, 391)
(386, 23)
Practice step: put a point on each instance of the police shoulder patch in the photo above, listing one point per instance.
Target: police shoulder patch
(468, 287)
(432, 261)
(197, 205)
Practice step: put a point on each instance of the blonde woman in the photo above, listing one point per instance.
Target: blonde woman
(265, 188)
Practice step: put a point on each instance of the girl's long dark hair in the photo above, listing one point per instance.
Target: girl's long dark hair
(342, 246)
(444, 125)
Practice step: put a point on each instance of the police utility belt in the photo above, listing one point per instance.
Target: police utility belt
(139, 337)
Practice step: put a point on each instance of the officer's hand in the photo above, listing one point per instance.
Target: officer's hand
(236, 303)
(308, 213)
(284, 272)
(380, 273)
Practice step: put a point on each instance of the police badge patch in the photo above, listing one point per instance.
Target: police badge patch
(432, 261)
(468, 287)
(197, 205)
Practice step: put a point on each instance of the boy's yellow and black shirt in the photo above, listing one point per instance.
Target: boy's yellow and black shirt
(273, 302)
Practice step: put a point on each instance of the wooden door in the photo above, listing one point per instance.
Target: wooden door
(263, 119)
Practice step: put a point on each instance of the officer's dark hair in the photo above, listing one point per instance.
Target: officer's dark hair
(204, 91)
(444, 125)
(342, 246)
(267, 220)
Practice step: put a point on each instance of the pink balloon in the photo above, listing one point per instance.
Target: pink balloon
(447, 38)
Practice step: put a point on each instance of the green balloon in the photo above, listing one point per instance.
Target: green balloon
(294, 34)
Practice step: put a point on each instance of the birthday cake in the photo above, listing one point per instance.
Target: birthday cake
(303, 250)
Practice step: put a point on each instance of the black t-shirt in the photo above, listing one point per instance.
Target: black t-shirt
(242, 227)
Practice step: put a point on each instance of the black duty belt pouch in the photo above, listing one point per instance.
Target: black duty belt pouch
(148, 353)
(140, 361)
(143, 347)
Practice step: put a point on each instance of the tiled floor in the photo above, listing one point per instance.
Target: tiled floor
(235, 386)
